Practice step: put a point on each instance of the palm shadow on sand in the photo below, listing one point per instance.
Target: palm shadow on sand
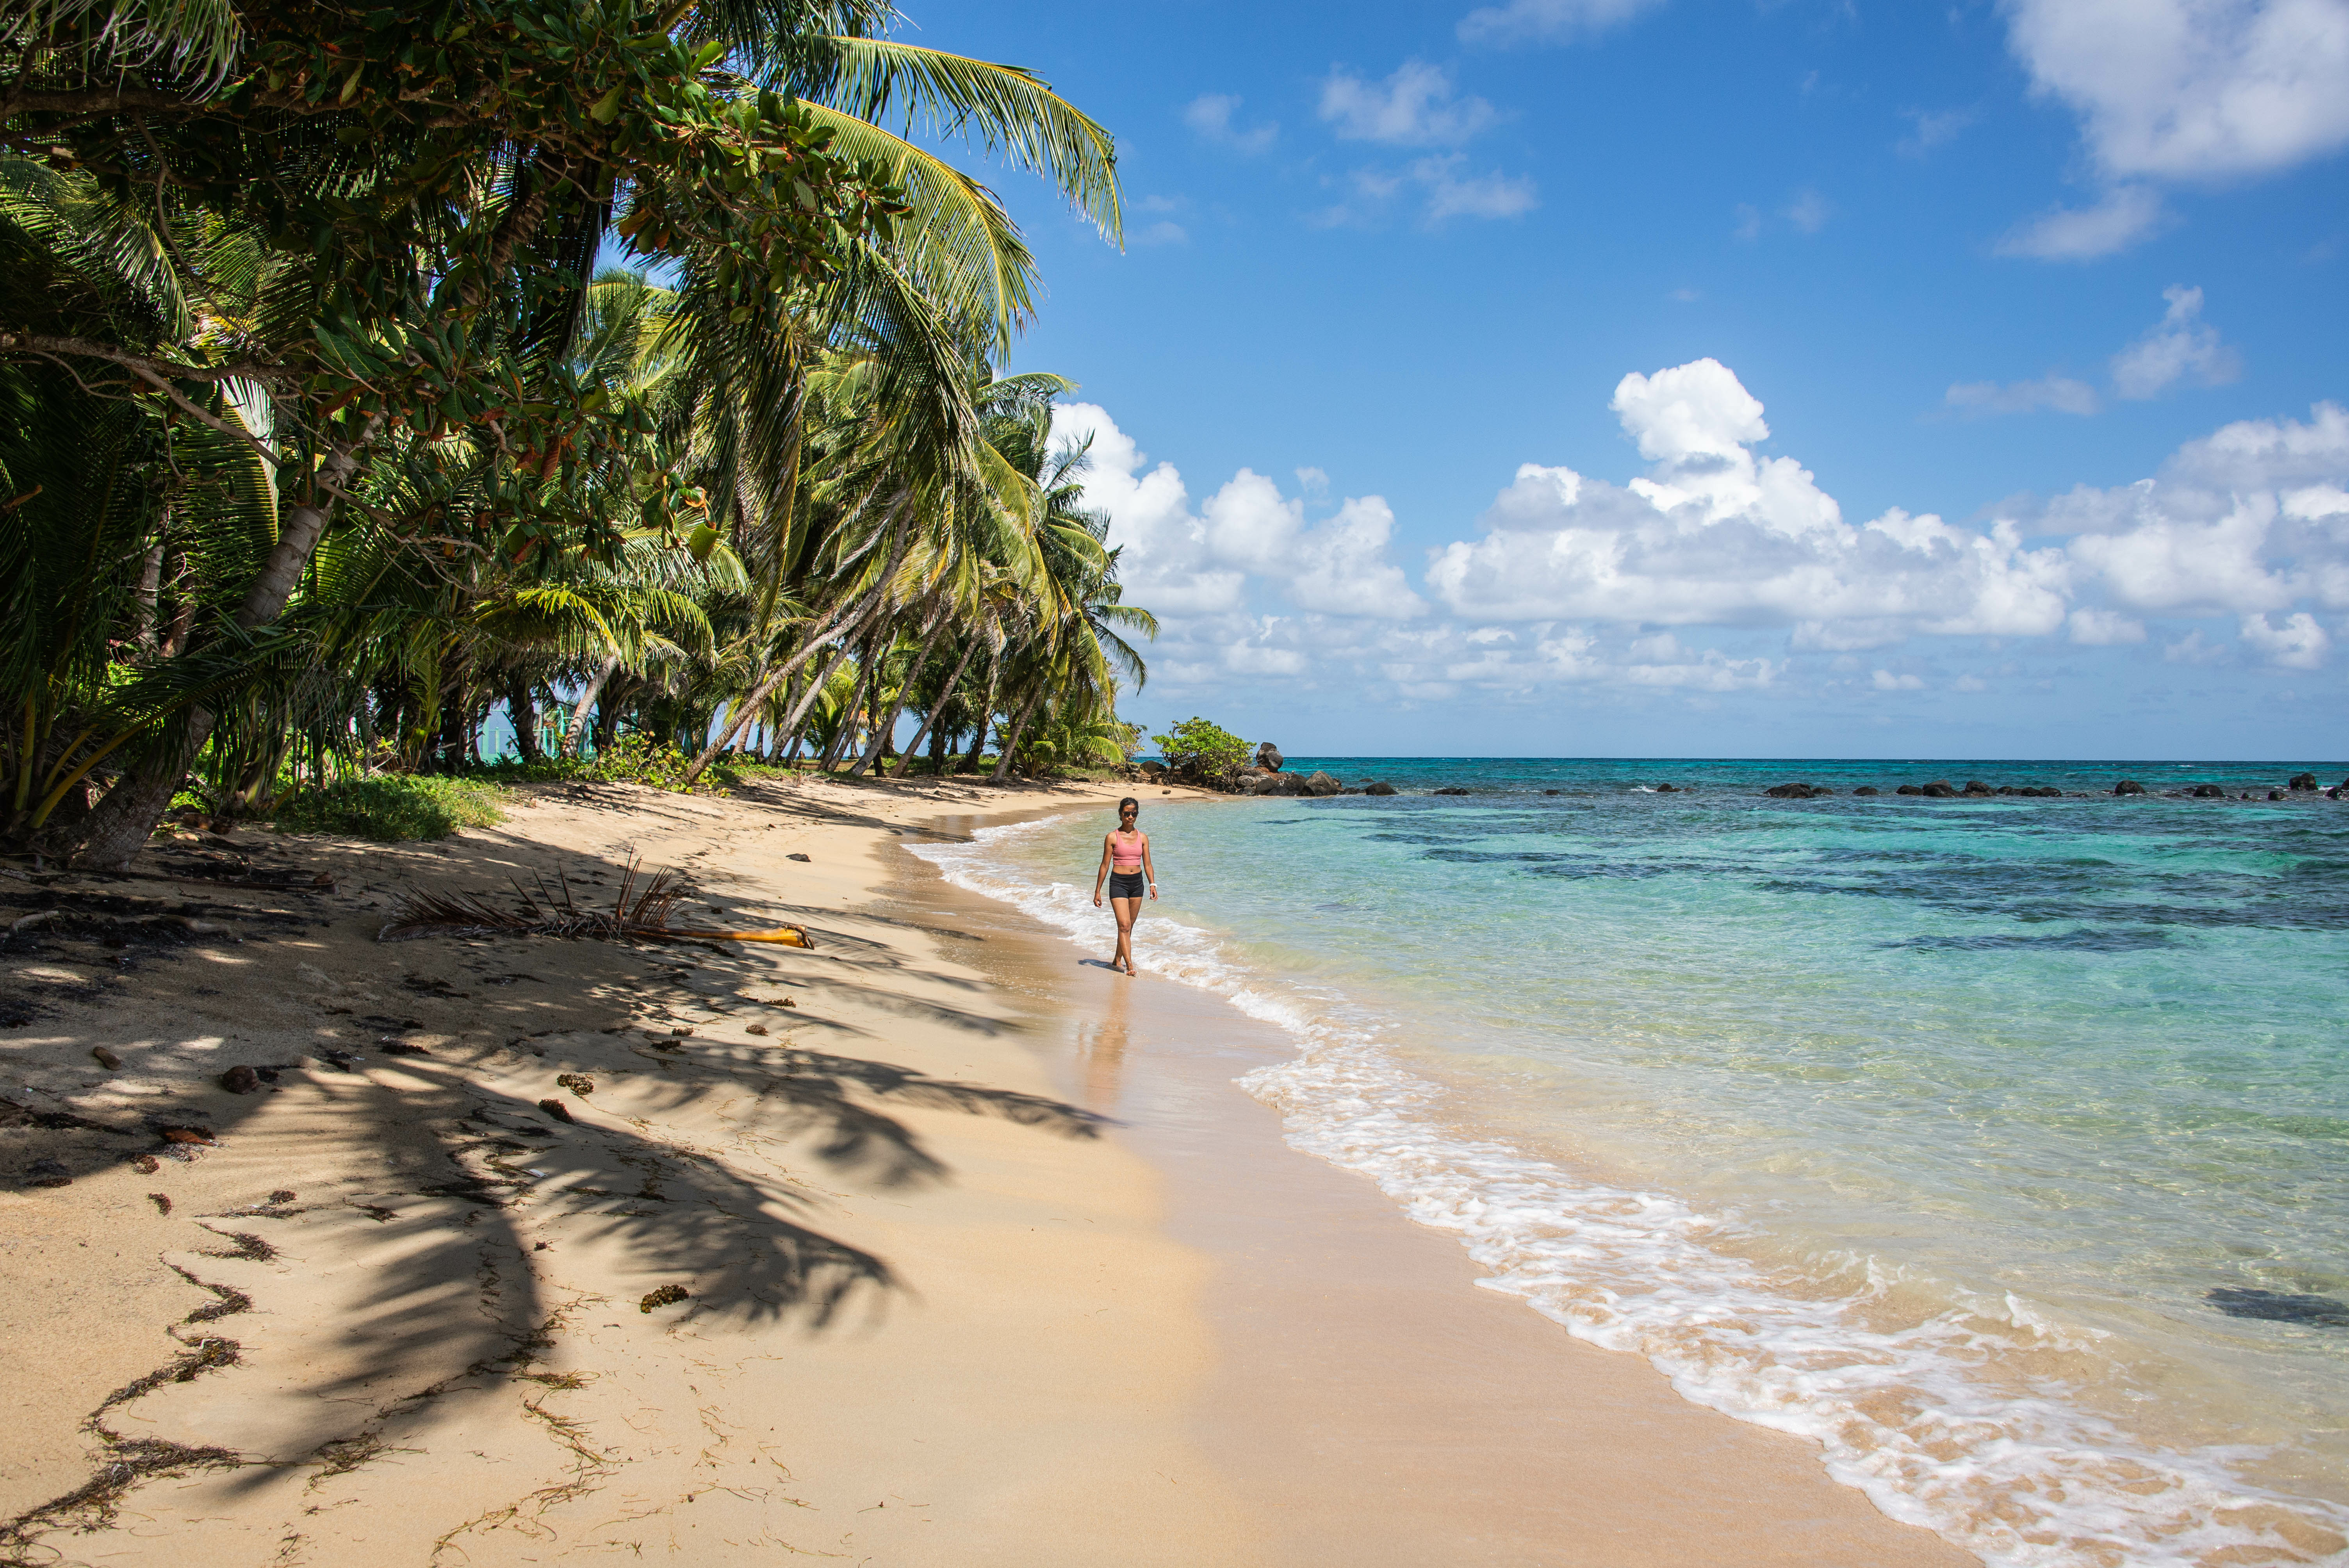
(470, 1169)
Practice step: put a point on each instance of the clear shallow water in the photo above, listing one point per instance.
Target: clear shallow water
(1956, 1134)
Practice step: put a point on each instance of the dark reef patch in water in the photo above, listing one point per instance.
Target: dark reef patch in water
(2280, 1306)
(2070, 941)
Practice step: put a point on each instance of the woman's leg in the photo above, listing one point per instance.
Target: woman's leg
(1127, 908)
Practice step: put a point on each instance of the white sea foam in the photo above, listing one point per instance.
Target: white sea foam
(1947, 1416)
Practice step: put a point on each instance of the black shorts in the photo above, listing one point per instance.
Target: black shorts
(1127, 884)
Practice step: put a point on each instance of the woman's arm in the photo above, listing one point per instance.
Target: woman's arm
(1147, 870)
(1103, 874)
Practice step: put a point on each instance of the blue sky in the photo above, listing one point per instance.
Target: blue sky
(1714, 377)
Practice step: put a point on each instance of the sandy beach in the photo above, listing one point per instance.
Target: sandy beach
(935, 1245)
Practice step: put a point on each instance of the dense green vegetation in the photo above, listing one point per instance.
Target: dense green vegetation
(390, 808)
(1200, 751)
(324, 439)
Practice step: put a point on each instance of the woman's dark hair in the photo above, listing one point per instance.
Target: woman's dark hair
(1129, 801)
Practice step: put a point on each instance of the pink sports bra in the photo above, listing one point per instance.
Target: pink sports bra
(1125, 850)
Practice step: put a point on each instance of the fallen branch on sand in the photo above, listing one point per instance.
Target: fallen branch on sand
(553, 912)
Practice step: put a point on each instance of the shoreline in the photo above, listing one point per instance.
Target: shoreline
(1367, 1397)
(933, 1310)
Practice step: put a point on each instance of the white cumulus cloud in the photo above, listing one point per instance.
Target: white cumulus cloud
(2119, 219)
(2192, 90)
(2251, 518)
(1181, 564)
(1716, 534)
(1212, 115)
(1547, 21)
(1412, 107)
(2181, 347)
(2060, 394)
(2105, 628)
(2298, 644)
(1681, 577)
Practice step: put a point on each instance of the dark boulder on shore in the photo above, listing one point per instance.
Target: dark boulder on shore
(1319, 782)
(1268, 757)
(1381, 787)
(2128, 787)
(1254, 782)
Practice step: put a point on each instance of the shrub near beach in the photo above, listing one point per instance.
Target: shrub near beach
(1198, 751)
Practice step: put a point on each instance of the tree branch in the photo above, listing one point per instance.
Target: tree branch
(83, 347)
(95, 100)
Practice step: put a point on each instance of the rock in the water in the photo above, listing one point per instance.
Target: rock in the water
(1267, 755)
(1976, 787)
(1381, 787)
(2280, 1306)
(1668, 788)
(2275, 794)
(1909, 790)
(241, 1080)
(1938, 790)
(2128, 787)
(1319, 782)
(1868, 789)
(2207, 792)
(2303, 782)
(1795, 791)
(1449, 789)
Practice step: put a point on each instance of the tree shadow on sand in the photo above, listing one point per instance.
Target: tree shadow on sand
(433, 1286)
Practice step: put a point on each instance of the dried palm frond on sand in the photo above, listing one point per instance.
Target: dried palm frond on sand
(553, 912)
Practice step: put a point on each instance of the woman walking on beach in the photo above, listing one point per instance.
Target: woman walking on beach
(1125, 862)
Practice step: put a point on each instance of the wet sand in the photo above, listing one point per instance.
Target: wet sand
(934, 1307)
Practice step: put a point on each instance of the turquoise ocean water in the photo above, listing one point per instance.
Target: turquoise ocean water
(2000, 1145)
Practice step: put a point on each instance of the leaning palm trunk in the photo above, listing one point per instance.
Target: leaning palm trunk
(586, 705)
(846, 733)
(888, 723)
(124, 820)
(739, 716)
(846, 619)
(1011, 736)
(815, 689)
(945, 700)
(986, 709)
